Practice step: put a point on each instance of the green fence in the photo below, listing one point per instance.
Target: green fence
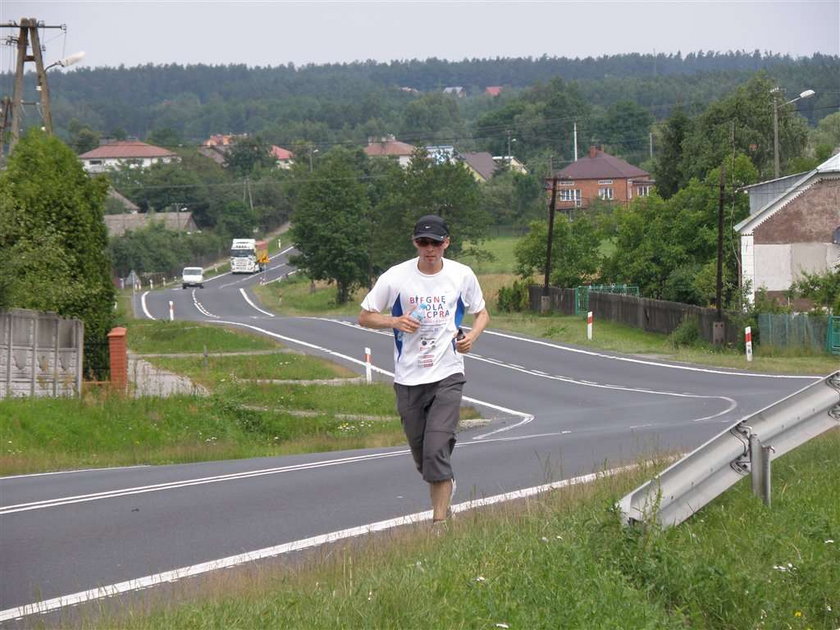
(833, 335)
(582, 294)
(800, 330)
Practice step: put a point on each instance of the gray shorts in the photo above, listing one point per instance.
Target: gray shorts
(429, 415)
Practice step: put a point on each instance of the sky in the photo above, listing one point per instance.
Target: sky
(276, 32)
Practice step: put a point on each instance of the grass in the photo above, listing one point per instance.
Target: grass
(561, 560)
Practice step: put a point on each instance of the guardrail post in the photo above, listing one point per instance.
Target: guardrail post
(760, 468)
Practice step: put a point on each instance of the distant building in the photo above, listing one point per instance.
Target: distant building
(283, 157)
(441, 153)
(125, 153)
(389, 146)
(455, 90)
(599, 175)
(119, 224)
(480, 164)
(217, 146)
(511, 163)
(793, 228)
(493, 90)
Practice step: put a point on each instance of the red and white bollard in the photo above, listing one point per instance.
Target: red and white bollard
(748, 342)
(589, 325)
(368, 375)
(171, 311)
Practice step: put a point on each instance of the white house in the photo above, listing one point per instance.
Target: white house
(793, 227)
(120, 153)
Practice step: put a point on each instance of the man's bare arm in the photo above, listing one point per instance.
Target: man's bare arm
(371, 319)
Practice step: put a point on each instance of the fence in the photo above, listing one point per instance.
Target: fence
(800, 330)
(40, 354)
(644, 313)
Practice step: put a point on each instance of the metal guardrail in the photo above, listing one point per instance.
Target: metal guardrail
(687, 485)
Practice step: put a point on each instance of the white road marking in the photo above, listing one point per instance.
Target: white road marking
(172, 485)
(143, 304)
(247, 299)
(643, 361)
(74, 599)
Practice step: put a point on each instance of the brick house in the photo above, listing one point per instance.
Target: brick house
(793, 227)
(132, 153)
(599, 175)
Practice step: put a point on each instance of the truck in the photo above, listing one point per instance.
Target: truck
(248, 255)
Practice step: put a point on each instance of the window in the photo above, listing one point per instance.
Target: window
(570, 195)
(642, 191)
(605, 193)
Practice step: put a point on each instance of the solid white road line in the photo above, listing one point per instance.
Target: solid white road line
(157, 579)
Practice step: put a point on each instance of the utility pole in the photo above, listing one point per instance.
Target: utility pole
(718, 327)
(545, 301)
(26, 40)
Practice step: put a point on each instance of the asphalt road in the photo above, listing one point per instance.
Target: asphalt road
(557, 412)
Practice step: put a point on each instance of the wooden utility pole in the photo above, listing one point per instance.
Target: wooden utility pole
(544, 305)
(718, 328)
(27, 39)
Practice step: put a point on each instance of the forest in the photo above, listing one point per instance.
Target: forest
(346, 103)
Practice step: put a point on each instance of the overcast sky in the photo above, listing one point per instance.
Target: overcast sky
(272, 32)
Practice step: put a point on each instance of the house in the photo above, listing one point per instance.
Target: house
(390, 147)
(283, 157)
(119, 224)
(599, 175)
(113, 154)
(511, 163)
(493, 90)
(216, 148)
(441, 153)
(480, 165)
(793, 227)
(455, 90)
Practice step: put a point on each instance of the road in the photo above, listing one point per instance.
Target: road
(557, 412)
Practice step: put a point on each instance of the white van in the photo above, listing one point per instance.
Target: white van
(192, 277)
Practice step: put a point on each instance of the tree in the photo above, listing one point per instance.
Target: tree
(53, 239)
(330, 223)
(822, 288)
(668, 163)
(574, 251)
(247, 155)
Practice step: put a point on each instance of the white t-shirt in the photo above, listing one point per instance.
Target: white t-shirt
(428, 355)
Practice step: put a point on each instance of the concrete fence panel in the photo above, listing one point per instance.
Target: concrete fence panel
(40, 354)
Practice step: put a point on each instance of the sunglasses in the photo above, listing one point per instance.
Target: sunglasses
(425, 242)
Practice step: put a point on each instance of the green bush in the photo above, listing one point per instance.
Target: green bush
(514, 298)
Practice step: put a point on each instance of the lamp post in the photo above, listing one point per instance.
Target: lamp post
(775, 91)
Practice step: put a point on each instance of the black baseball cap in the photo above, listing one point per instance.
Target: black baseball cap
(431, 226)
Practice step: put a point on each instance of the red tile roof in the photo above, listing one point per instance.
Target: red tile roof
(280, 153)
(126, 149)
(599, 165)
(493, 90)
(388, 146)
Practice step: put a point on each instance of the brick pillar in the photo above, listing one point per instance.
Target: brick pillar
(119, 358)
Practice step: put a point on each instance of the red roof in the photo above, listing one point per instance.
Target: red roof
(280, 153)
(388, 146)
(126, 149)
(599, 165)
(493, 90)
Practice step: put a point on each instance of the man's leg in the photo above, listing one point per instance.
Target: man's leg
(440, 491)
(439, 441)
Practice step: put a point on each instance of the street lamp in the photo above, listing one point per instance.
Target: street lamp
(775, 91)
